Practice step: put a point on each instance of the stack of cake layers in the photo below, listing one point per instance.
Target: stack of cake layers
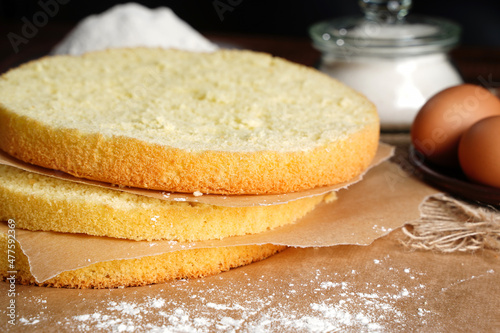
(224, 123)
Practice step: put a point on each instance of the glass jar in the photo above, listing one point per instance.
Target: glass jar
(395, 60)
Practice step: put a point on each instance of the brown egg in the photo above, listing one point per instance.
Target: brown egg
(437, 128)
(479, 152)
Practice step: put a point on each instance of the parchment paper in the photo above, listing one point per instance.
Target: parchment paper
(384, 152)
(378, 288)
(385, 199)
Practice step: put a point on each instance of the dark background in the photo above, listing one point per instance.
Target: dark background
(480, 19)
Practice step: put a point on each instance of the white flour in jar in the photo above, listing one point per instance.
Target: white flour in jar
(397, 86)
(132, 25)
(397, 77)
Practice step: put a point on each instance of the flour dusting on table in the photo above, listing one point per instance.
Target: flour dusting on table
(337, 302)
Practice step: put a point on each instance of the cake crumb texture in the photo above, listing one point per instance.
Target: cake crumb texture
(229, 122)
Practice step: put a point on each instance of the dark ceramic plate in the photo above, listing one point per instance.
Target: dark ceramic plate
(453, 181)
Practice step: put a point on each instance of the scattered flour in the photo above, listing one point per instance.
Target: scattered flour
(31, 321)
(336, 302)
(381, 229)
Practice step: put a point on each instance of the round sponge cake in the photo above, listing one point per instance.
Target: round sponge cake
(229, 122)
(38, 202)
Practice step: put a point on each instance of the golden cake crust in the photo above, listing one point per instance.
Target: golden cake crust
(130, 161)
(38, 202)
(134, 163)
